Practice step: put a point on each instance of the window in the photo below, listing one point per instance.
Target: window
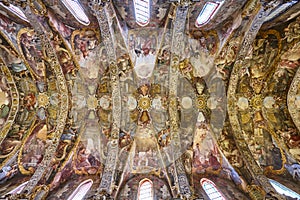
(15, 10)
(207, 13)
(142, 12)
(145, 190)
(211, 190)
(284, 190)
(18, 189)
(81, 190)
(77, 11)
(280, 9)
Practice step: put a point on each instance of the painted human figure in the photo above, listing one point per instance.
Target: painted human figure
(30, 101)
(213, 161)
(83, 157)
(197, 155)
(81, 45)
(125, 138)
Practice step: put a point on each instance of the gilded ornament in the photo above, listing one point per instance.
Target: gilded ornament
(201, 102)
(155, 89)
(113, 69)
(103, 87)
(92, 102)
(297, 101)
(245, 117)
(173, 103)
(256, 192)
(144, 103)
(257, 102)
(43, 100)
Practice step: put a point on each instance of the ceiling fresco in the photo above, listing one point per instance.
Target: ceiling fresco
(95, 101)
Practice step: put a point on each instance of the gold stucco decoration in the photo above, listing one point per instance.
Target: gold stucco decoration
(43, 100)
(144, 103)
(256, 102)
(92, 103)
(201, 102)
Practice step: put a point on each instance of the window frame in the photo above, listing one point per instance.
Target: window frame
(77, 190)
(148, 8)
(15, 10)
(143, 181)
(210, 14)
(18, 189)
(283, 189)
(205, 181)
(74, 11)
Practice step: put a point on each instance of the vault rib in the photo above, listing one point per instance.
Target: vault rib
(107, 180)
(53, 62)
(177, 44)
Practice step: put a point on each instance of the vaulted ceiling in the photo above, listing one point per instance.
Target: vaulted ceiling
(169, 91)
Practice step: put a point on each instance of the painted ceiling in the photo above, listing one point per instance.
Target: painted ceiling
(87, 91)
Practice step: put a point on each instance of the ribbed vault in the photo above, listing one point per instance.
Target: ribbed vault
(93, 96)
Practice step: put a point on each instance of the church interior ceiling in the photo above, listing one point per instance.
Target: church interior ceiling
(117, 95)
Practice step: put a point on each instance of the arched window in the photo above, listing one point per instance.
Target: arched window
(18, 189)
(207, 13)
(280, 9)
(211, 190)
(284, 190)
(142, 12)
(81, 190)
(145, 191)
(15, 10)
(77, 11)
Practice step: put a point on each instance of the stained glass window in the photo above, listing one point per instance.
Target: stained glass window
(211, 190)
(145, 190)
(142, 12)
(17, 11)
(81, 190)
(207, 13)
(284, 190)
(77, 11)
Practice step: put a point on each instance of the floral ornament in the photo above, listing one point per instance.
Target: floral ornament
(43, 100)
(144, 104)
